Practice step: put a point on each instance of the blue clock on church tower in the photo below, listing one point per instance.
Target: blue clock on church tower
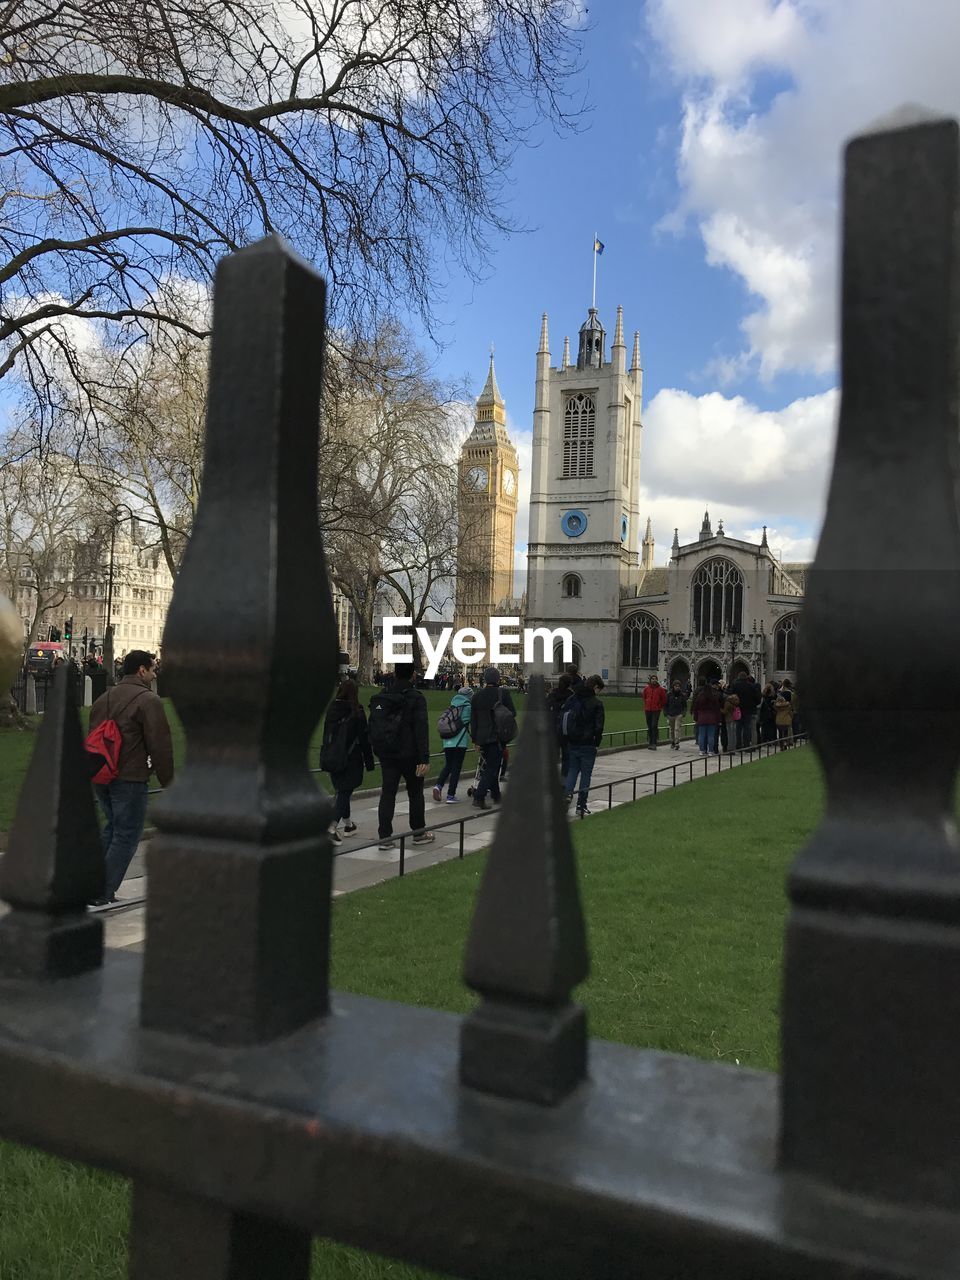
(624, 528)
(573, 523)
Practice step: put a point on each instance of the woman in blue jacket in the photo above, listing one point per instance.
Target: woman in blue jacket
(454, 749)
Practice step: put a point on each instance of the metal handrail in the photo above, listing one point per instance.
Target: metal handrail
(764, 747)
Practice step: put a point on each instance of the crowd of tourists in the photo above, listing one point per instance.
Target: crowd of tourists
(726, 716)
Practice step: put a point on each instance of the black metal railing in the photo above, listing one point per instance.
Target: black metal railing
(508, 1145)
(758, 751)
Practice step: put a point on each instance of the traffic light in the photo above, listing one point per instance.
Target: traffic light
(54, 634)
(68, 629)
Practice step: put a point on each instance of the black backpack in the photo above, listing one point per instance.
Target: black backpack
(573, 720)
(387, 723)
(338, 742)
(504, 721)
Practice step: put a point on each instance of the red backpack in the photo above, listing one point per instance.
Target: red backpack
(103, 745)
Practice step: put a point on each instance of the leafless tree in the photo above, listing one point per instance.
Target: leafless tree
(143, 139)
(45, 520)
(389, 446)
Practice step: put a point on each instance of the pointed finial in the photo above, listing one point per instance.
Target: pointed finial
(635, 362)
(54, 863)
(618, 330)
(705, 529)
(763, 540)
(544, 338)
(649, 533)
(720, 528)
(566, 354)
(527, 948)
(491, 392)
(676, 540)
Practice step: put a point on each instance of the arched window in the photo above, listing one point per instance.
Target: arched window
(641, 641)
(579, 424)
(717, 598)
(785, 639)
(572, 586)
(559, 665)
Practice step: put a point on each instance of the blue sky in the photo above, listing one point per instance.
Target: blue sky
(709, 167)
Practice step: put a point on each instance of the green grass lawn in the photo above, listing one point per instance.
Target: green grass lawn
(16, 747)
(684, 899)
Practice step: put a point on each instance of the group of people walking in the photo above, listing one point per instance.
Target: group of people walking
(397, 733)
(726, 718)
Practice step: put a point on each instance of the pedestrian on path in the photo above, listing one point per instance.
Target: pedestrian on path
(784, 711)
(345, 753)
(676, 709)
(145, 747)
(654, 701)
(731, 719)
(748, 691)
(706, 716)
(556, 698)
(454, 745)
(486, 721)
(766, 715)
(400, 738)
(583, 717)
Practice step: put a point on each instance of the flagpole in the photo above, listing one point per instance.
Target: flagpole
(594, 302)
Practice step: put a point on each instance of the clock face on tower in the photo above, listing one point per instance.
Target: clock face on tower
(477, 478)
(509, 483)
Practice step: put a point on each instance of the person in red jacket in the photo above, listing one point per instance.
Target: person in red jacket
(654, 700)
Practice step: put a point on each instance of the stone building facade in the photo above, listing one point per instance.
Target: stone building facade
(721, 607)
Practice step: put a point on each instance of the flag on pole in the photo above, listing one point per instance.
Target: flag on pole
(597, 246)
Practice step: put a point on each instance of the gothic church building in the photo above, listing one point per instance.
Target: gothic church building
(721, 607)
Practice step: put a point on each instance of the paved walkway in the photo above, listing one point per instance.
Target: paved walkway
(359, 863)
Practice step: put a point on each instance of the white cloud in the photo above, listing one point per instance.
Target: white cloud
(762, 181)
(723, 39)
(749, 466)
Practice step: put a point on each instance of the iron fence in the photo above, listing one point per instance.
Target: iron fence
(507, 1143)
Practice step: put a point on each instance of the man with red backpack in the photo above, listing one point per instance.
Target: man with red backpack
(130, 738)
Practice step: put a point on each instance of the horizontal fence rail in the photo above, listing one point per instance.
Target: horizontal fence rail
(252, 1108)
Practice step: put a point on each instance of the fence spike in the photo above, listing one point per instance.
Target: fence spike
(871, 1022)
(54, 861)
(527, 947)
(238, 912)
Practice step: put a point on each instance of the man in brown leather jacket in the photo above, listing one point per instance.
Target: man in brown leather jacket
(146, 747)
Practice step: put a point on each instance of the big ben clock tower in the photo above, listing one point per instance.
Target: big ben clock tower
(487, 511)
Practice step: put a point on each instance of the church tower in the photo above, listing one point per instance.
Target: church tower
(487, 512)
(584, 542)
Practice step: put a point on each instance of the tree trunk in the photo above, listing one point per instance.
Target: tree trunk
(10, 715)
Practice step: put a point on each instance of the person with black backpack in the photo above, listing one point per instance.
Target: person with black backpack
(345, 753)
(400, 739)
(582, 725)
(493, 724)
(556, 699)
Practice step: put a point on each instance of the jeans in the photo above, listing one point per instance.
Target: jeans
(564, 758)
(392, 771)
(653, 727)
(707, 737)
(341, 806)
(491, 753)
(452, 764)
(582, 760)
(676, 727)
(124, 806)
(745, 731)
